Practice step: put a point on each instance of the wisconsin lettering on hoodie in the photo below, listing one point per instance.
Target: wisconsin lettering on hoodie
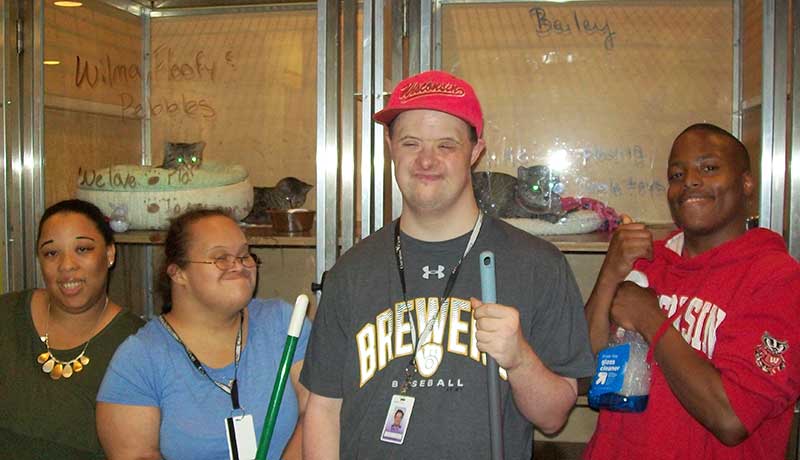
(742, 316)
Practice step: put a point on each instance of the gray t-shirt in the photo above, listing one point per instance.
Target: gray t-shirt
(361, 344)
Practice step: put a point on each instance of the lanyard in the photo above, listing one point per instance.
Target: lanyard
(411, 368)
(233, 388)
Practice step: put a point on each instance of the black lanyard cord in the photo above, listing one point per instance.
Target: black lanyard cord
(411, 369)
(233, 388)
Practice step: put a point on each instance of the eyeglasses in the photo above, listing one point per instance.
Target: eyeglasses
(228, 261)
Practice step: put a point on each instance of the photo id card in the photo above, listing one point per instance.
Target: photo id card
(241, 437)
(397, 419)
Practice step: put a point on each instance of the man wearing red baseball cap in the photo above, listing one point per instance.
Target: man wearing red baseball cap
(400, 326)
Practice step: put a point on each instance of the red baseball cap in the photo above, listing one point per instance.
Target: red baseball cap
(434, 90)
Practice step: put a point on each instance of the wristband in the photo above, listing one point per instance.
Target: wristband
(657, 337)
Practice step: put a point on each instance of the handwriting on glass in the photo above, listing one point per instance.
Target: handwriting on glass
(632, 154)
(123, 180)
(167, 66)
(580, 24)
(186, 106)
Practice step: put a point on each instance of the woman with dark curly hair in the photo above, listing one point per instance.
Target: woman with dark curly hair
(56, 342)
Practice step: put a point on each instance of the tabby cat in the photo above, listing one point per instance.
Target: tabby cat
(288, 193)
(534, 193)
(183, 155)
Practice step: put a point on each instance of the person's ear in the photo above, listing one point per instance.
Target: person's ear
(748, 184)
(477, 149)
(175, 273)
(111, 254)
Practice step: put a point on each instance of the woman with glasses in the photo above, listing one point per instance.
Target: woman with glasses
(195, 382)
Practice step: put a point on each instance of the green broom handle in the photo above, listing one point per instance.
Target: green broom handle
(295, 326)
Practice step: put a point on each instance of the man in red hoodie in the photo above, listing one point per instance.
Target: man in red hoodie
(720, 314)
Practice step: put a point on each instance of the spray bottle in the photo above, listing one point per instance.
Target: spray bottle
(622, 380)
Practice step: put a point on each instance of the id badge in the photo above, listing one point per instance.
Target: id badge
(241, 436)
(397, 419)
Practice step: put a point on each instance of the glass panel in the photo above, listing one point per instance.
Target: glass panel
(596, 90)
(240, 79)
(242, 83)
(92, 79)
(245, 84)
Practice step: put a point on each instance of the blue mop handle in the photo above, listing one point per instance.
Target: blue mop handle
(295, 326)
(489, 295)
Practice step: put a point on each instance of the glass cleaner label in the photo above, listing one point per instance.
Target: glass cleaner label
(610, 374)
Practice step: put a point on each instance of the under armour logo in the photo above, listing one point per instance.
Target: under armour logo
(427, 272)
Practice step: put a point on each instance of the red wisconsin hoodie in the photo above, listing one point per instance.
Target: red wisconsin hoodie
(743, 315)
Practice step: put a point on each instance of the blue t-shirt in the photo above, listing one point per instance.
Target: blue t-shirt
(151, 369)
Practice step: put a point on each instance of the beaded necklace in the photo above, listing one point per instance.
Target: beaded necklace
(56, 367)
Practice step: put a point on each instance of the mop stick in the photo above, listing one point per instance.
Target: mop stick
(295, 326)
(489, 295)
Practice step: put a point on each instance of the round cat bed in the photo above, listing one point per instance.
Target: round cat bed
(576, 222)
(154, 195)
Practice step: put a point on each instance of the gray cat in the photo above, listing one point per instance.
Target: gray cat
(534, 193)
(182, 155)
(288, 193)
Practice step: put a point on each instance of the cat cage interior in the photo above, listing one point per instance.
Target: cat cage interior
(593, 93)
(124, 79)
(581, 99)
(597, 91)
(589, 92)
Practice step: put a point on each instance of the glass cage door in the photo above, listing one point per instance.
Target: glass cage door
(129, 83)
(286, 89)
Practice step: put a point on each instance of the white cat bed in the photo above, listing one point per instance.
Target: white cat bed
(576, 222)
(154, 195)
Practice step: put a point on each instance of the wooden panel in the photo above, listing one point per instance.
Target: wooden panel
(126, 285)
(596, 242)
(751, 138)
(256, 236)
(603, 86)
(286, 273)
(243, 83)
(752, 39)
